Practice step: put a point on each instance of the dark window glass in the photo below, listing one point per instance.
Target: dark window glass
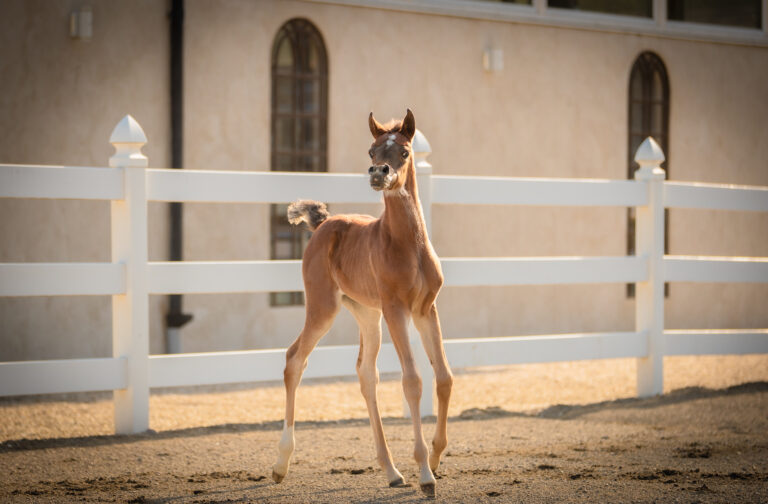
(643, 8)
(745, 13)
(648, 116)
(523, 2)
(299, 128)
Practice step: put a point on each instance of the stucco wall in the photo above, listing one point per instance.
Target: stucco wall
(59, 101)
(558, 109)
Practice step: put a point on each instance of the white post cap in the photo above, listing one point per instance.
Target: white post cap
(420, 144)
(128, 138)
(649, 156)
(421, 149)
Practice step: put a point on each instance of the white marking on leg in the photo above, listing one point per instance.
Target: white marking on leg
(285, 450)
(426, 476)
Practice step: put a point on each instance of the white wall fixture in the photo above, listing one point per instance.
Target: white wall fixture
(493, 60)
(81, 23)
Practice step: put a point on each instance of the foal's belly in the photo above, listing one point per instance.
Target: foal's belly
(359, 287)
(364, 290)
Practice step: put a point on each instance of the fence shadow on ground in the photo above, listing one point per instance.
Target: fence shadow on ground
(556, 412)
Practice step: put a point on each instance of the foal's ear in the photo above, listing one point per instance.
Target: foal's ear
(376, 129)
(408, 129)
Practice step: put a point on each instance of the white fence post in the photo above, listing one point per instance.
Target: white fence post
(649, 243)
(130, 311)
(422, 149)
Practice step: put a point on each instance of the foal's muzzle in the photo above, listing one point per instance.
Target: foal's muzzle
(381, 176)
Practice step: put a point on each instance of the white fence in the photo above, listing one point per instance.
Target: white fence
(130, 278)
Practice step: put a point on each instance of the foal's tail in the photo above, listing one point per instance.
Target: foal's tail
(313, 213)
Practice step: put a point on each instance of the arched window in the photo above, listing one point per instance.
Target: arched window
(299, 127)
(648, 116)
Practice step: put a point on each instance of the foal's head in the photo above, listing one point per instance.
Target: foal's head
(391, 152)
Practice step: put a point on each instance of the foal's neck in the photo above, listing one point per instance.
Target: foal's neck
(403, 218)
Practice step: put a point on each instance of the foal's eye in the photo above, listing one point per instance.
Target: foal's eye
(370, 153)
(404, 154)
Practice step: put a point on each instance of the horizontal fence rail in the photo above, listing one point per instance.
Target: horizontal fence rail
(210, 277)
(285, 276)
(61, 182)
(203, 277)
(715, 196)
(84, 375)
(476, 271)
(271, 187)
(257, 187)
(496, 351)
(61, 279)
(339, 360)
(458, 190)
(63, 376)
(130, 278)
(70, 182)
(716, 269)
(259, 365)
(716, 341)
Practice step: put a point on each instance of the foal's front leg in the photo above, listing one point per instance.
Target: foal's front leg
(369, 321)
(397, 321)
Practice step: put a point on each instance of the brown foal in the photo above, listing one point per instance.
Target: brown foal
(373, 267)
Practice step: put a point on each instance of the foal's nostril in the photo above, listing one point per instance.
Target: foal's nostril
(385, 170)
(371, 169)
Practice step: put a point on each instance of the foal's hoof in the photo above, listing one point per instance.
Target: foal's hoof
(428, 489)
(399, 482)
(277, 477)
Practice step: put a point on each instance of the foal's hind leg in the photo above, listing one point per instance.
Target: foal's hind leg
(428, 326)
(369, 321)
(322, 308)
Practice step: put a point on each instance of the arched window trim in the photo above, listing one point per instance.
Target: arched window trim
(299, 129)
(301, 33)
(646, 67)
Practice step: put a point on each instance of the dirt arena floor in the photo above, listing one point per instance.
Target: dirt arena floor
(566, 432)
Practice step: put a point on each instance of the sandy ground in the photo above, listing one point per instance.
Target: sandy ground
(535, 433)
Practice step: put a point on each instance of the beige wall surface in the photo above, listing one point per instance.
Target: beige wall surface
(557, 109)
(60, 98)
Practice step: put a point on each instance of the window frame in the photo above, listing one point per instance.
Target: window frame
(669, 5)
(538, 13)
(303, 37)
